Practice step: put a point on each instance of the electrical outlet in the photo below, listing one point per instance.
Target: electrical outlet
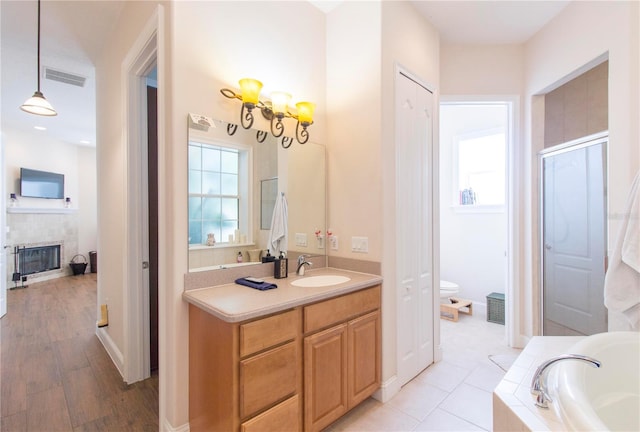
(360, 244)
(334, 242)
(301, 239)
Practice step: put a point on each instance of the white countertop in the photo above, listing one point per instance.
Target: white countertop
(234, 303)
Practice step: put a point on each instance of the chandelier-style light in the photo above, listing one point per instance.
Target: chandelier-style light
(274, 110)
(38, 104)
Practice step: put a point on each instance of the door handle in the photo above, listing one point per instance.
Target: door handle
(547, 246)
(145, 265)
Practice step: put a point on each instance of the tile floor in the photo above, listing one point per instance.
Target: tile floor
(452, 395)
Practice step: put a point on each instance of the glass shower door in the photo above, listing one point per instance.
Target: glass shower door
(574, 239)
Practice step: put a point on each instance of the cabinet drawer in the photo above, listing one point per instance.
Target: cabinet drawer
(283, 417)
(268, 378)
(340, 309)
(267, 332)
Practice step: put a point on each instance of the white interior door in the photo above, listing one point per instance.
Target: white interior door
(414, 257)
(574, 242)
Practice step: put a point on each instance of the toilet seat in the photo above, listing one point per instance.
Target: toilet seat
(448, 289)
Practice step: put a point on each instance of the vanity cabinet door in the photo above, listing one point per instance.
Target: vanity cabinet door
(325, 377)
(364, 358)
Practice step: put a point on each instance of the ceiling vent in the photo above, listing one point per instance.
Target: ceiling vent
(64, 77)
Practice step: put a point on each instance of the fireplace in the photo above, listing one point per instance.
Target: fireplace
(38, 259)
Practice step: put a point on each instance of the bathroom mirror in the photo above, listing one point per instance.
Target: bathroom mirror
(233, 182)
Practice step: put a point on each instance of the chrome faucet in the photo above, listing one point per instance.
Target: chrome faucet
(302, 261)
(539, 384)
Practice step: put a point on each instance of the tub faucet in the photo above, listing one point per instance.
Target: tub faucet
(539, 384)
(302, 261)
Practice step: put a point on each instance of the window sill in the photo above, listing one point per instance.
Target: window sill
(470, 209)
(219, 246)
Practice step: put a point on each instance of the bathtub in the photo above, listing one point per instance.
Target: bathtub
(600, 399)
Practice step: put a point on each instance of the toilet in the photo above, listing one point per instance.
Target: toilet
(448, 289)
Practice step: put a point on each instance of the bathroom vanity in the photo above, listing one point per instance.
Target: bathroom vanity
(290, 358)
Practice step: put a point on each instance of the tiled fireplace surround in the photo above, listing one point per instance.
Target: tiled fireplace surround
(32, 229)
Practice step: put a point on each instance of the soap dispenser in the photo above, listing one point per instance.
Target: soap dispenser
(281, 267)
(268, 257)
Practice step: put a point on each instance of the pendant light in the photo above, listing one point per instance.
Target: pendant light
(37, 104)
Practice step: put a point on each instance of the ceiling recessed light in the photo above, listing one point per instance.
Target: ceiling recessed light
(40, 127)
(85, 142)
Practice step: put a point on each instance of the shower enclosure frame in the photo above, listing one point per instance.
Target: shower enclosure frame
(579, 143)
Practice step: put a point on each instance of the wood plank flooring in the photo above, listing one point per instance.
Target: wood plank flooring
(55, 374)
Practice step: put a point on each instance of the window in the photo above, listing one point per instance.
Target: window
(481, 168)
(218, 201)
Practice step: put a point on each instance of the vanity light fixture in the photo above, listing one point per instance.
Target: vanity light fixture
(274, 110)
(38, 104)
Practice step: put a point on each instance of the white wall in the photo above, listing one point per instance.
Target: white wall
(568, 45)
(39, 152)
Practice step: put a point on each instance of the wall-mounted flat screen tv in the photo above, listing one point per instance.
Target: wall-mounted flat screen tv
(41, 184)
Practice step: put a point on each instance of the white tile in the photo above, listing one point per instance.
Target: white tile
(372, 416)
(444, 375)
(418, 399)
(440, 420)
(485, 378)
(471, 404)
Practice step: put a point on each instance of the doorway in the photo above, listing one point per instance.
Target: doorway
(152, 216)
(573, 242)
(476, 215)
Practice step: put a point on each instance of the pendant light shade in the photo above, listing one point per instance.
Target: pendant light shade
(38, 104)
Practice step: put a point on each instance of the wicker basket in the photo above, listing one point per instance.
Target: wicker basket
(78, 267)
(495, 308)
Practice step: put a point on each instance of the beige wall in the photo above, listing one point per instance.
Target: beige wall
(408, 40)
(213, 45)
(581, 36)
(482, 69)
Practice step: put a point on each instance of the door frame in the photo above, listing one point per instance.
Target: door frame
(576, 144)
(142, 57)
(513, 297)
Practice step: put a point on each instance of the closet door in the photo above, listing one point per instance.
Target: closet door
(414, 231)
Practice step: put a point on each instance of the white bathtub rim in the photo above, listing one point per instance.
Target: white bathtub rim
(567, 383)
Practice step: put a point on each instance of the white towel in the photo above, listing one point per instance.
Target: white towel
(278, 235)
(622, 281)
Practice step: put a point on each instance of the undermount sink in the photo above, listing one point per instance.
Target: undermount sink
(320, 281)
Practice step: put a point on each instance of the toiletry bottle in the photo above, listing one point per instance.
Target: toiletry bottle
(239, 259)
(268, 257)
(281, 267)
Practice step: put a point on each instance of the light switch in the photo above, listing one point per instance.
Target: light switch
(360, 244)
(301, 239)
(334, 242)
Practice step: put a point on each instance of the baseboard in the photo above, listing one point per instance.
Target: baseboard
(112, 349)
(387, 390)
(167, 427)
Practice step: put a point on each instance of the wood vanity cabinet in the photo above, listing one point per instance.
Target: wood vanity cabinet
(249, 376)
(245, 376)
(342, 352)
